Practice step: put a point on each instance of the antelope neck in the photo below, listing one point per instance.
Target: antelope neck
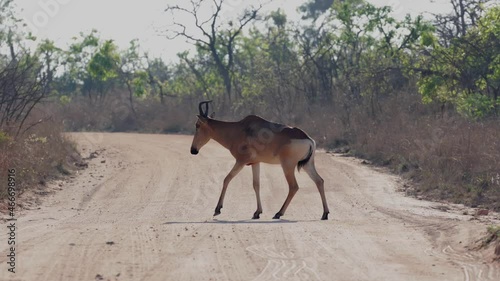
(223, 132)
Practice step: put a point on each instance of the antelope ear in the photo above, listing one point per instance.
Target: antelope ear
(212, 115)
(202, 118)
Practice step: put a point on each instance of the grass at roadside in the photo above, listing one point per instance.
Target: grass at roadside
(447, 157)
(39, 155)
(492, 238)
(494, 231)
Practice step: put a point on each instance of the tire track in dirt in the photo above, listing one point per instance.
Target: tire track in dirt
(283, 265)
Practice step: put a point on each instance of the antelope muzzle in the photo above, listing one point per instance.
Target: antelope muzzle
(194, 151)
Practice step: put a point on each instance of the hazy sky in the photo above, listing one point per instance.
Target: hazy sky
(124, 20)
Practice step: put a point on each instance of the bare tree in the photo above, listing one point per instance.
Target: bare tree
(22, 86)
(217, 37)
(465, 14)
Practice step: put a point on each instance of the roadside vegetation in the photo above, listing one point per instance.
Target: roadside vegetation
(492, 239)
(418, 95)
(494, 233)
(30, 137)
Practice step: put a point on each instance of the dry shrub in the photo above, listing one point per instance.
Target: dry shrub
(447, 156)
(38, 155)
(115, 114)
(171, 117)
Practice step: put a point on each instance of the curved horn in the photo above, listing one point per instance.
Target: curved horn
(200, 107)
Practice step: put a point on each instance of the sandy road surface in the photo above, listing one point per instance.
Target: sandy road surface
(146, 214)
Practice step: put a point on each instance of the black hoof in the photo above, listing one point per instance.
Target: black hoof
(277, 216)
(324, 217)
(256, 216)
(217, 211)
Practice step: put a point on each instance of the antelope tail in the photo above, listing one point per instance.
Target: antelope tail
(305, 160)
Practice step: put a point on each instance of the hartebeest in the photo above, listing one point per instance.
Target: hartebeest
(254, 140)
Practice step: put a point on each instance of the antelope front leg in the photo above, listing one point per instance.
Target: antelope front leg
(234, 171)
(256, 187)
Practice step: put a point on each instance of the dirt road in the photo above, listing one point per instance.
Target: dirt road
(143, 211)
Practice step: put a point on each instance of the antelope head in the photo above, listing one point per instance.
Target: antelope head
(203, 131)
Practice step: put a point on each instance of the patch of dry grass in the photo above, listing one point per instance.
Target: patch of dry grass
(447, 156)
(116, 115)
(40, 154)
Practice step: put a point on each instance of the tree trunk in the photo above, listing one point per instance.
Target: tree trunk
(131, 98)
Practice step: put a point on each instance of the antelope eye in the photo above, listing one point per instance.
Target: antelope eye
(197, 125)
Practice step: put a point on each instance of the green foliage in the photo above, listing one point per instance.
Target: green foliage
(140, 84)
(492, 235)
(47, 46)
(64, 100)
(467, 72)
(428, 39)
(314, 8)
(9, 30)
(104, 63)
(4, 138)
(361, 51)
(475, 106)
(76, 63)
(25, 75)
(279, 18)
(494, 230)
(90, 66)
